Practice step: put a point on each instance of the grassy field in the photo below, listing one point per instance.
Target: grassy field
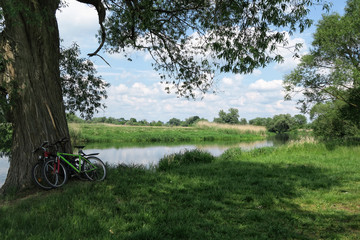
(85, 132)
(299, 191)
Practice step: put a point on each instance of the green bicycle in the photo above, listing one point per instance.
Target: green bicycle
(56, 171)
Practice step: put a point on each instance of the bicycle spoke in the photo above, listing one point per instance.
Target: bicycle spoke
(38, 176)
(94, 169)
(55, 173)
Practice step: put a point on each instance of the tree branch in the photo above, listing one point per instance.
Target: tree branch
(101, 10)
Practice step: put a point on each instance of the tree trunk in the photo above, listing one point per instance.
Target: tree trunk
(30, 44)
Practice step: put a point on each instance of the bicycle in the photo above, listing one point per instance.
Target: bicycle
(36, 172)
(57, 170)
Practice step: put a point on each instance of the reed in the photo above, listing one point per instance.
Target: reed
(240, 128)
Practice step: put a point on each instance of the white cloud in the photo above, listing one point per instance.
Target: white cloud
(256, 72)
(78, 23)
(262, 85)
(227, 81)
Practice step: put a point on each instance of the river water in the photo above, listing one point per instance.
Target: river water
(150, 155)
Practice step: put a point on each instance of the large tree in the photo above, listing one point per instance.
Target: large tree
(329, 77)
(188, 39)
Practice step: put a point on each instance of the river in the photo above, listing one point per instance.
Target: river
(151, 154)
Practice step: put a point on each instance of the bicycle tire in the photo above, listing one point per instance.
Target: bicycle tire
(92, 174)
(38, 176)
(54, 179)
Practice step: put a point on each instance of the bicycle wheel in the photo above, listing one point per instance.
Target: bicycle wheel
(38, 176)
(94, 169)
(54, 175)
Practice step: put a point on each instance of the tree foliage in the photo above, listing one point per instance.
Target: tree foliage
(190, 40)
(329, 122)
(329, 77)
(281, 123)
(232, 117)
(82, 89)
(260, 121)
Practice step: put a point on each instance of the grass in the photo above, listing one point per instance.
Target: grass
(301, 191)
(124, 134)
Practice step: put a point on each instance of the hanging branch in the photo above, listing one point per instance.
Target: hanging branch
(100, 8)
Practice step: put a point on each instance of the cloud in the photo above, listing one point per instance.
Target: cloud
(227, 81)
(261, 85)
(78, 23)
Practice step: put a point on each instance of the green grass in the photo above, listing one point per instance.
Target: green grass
(301, 191)
(141, 134)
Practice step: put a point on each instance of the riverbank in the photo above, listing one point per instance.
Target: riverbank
(298, 191)
(90, 132)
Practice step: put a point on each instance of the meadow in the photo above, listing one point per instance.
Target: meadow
(97, 132)
(297, 191)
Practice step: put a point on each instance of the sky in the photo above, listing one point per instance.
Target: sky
(136, 91)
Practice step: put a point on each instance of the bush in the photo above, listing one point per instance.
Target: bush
(185, 157)
(331, 123)
(231, 153)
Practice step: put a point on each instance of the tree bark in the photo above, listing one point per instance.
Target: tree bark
(30, 44)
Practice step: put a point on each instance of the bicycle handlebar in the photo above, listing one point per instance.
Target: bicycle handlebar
(46, 144)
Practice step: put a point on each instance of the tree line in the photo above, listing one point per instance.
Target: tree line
(279, 124)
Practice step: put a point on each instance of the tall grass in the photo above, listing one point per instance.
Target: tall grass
(184, 157)
(240, 128)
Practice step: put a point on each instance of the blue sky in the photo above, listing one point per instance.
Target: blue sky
(136, 91)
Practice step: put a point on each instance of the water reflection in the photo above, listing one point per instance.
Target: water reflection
(4, 166)
(150, 155)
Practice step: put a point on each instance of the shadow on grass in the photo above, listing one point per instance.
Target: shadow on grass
(230, 200)
(221, 200)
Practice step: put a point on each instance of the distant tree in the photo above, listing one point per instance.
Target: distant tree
(143, 122)
(243, 121)
(159, 123)
(300, 120)
(174, 122)
(121, 121)
(73, 118)
(281, 123)
(190, 121)
(111, 120)
(156, 123)
(98, 120)
(231, 118)
(132, 121)
(260, 121)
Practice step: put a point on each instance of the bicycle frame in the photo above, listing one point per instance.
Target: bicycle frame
(81, 160)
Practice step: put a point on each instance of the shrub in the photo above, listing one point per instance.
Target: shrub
(231, 153)
(185, 157)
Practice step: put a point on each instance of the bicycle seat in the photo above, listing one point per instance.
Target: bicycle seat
(79, 147)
